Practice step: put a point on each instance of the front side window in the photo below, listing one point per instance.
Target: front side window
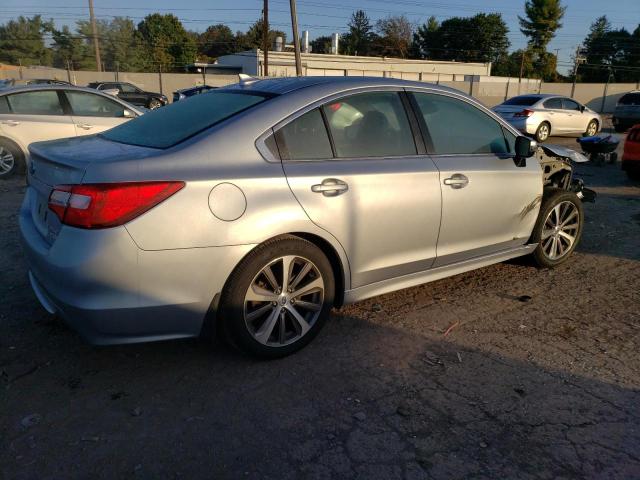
(175, 123)
(89, 105)
(43, 102)
(305, 138)
(570, 104)
(555, 103)
(370, 125)
(457, 127)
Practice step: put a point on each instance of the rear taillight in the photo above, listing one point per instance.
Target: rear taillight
(104, 205)
(524, 113)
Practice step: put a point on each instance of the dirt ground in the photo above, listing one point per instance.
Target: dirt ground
(539, 379)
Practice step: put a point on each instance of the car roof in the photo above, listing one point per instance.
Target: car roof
(280, 86)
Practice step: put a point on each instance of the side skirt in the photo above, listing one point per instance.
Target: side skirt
(418, 278)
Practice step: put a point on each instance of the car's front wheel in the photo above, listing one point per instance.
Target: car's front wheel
(11, 159)
(278, 298)
(154, 103)
(543, 132)
(558, 228)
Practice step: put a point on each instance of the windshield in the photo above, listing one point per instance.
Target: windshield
(170, 125)
(524, 101)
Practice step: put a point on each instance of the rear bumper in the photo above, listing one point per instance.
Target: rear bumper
(524, 125)
(112, 292)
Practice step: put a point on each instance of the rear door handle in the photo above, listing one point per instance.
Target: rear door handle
(456, 181)
(85, 126)
(12, 123)
(330, 187)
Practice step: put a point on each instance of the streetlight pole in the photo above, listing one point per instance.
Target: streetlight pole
(94, 30)
(265, 37)
(296, 37)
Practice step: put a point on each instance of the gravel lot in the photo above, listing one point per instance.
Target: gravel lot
(539, 378)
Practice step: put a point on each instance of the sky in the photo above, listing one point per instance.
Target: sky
(324, 18)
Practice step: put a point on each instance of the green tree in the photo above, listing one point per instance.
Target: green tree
(121, 47)
(166, 42)
(22, 41)
(360, 37)
(253, 36)
(481, 38)
(69, 49)
(541, 22)
(395, 35)
(215, 41)
(321, 44)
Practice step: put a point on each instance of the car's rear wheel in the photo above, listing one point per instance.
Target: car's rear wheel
(592, 128)
(154, 103)
(278, 298)
(558, 228)
(11, 159)
(543, 132)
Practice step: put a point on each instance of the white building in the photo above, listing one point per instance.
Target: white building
(282, 64)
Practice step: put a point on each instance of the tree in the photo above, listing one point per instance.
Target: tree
(69, 50)
(253, 37)
(509, 65)
(321, 44)
(541, 22)
(22, 41)
(166, 42)
(395, 34)
(361, 35)
(481, 38)
(121, 47)
(215, 41)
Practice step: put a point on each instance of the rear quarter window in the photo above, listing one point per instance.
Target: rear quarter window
(170, 125)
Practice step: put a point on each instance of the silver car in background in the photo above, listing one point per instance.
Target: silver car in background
(543, 115)
(260, 206)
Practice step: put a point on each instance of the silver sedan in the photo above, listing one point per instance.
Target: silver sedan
(543, 115)
(260, 206)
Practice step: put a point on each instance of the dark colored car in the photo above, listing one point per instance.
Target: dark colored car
(631, 155)
(627, 111)
(132, 94)
(190, 92)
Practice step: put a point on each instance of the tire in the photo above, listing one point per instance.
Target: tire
(154, 103)
(592, 128)
(548, 254)
(267, 326)
(542, 132)
(11, 159)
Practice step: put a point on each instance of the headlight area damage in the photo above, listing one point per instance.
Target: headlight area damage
(557, 170)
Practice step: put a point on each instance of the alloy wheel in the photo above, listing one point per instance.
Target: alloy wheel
(592, 129)
(560, 230)
(284, 301)
(7, 161)
(543, 132)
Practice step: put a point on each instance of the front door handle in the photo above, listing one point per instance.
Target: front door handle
(330, 187)
(457, 180)
(12, 123)
(85, 126)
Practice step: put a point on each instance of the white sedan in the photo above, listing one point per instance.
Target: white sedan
(48, 112)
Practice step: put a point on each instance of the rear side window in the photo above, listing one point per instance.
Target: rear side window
(553, 103)
(370, 125)
(457, 127)
(43, 102)
(524, 101)
(179, 121)
(90, 105)
(630, 99)
(305, 138)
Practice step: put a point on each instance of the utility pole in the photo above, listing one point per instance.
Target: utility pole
(265, 37)
(521, 70)
(576, 61)
(296, 37)
(94, 31)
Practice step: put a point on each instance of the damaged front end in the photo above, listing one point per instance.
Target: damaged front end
(557, 170)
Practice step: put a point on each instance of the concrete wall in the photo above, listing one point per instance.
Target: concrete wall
(489, 90)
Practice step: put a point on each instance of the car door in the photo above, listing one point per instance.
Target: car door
(555, 114)
(353, 166)
(34, 116)
(488, 203)
(93, 113)
(576, 120)
(132, 94)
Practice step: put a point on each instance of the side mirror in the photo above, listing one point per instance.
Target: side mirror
(128, 114)
(582, 108)
(525, 148)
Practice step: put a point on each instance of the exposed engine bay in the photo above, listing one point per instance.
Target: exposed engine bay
(557, 170)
